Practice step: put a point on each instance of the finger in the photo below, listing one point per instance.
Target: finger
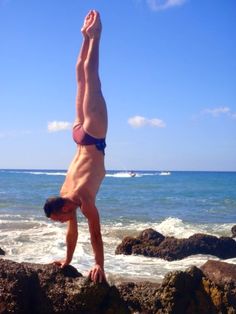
(96, 276)
(91, 275)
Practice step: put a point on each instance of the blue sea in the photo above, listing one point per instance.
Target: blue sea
(176, 204)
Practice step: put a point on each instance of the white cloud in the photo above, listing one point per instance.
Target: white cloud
(56, 126)
(219, 111)
(138, 122)
(215, 112)
(158, 5)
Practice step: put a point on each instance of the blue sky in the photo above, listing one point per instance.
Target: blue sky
(168, 76)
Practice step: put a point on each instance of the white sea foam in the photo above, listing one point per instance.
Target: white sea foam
(47, 173)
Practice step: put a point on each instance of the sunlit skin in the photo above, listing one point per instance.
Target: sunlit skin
(62, 217)
(87, 169)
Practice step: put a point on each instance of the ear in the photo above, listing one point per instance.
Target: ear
(68, 207)
(65, 209)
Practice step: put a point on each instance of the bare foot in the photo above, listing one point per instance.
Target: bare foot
(94, 28)
(87, 21)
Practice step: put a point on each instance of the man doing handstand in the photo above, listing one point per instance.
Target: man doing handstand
(86, 170)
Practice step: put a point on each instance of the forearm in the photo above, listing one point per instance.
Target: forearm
(96, 237)
(97, 245)
(71, 240)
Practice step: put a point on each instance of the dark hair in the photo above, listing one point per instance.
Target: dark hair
(53, 205)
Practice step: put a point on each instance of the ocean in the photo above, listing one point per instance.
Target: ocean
(175, 204)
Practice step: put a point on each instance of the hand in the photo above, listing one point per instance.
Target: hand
(97, 274)
(62, 263)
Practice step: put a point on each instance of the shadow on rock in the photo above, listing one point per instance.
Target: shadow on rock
(32, 288)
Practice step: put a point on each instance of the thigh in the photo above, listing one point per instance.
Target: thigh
(95, 113)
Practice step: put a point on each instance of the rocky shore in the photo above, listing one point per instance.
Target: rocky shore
(33, 288)
(153, 244)
(45, 289)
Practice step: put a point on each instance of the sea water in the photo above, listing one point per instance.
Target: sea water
(179, 204)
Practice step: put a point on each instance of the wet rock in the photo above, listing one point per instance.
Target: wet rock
(220, 272)
(151, 236)
(153, 244)
(233, 230)
(2, 252)
(127, 246)
(180, 292)
(220, 284)
(32, 288)
(140, 297)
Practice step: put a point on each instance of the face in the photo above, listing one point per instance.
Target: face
(63, 216)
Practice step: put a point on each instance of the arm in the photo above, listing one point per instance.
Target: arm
(96, 241)
(71, 240)
(97, 272)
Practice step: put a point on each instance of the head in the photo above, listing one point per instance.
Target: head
(59, 209)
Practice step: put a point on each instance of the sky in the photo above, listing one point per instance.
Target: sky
(168, 73)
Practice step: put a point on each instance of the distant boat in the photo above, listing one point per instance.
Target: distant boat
(165, 173)
(124, 174)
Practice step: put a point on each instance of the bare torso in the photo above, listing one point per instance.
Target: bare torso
(84, 175)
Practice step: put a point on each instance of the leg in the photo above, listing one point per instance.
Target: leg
(94, 107)
(80, 75)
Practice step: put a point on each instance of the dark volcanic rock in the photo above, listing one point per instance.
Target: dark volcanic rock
(151, 236)
(180, 293)
(140, 297)
(40, 289)
(233, 230)
(220, 284)
(127, 245)
(31, 288)
(143, 244)
(220, 272)
(153, 244)
(2, 252)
